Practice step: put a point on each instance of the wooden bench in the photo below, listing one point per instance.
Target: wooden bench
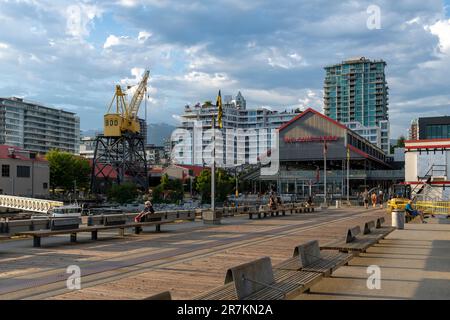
(352, 242)
(265, 211)
(257, 280)
(38, 234)
(380, 231)
(160, 296)
(309, 257)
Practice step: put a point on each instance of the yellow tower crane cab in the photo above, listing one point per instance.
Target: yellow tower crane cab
(124, 118)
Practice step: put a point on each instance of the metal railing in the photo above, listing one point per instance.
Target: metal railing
(434, 207)
(28, 204)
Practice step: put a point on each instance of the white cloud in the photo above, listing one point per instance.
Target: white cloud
(128, 3)
(277, 58)
(274, 53)
(442, 29)
(80, 19)
(311, 99)
(144, 35)
(112, 41)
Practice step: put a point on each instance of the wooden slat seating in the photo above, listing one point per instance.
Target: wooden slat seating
(380, 231)
(160, 296)
(309, 257)
(257, 280)
(299, 208)
(264, 211)
(353, 242)
(38, 234)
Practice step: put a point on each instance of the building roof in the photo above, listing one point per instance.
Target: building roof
(354, 149)
(310, 110)
(32, 103)
(424, 144)
(14, 152)
(196, 170)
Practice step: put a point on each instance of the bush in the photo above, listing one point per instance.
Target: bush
(168, 191)
(124, 193)
(224, 185)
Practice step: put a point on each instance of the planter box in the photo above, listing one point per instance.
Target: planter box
(210, 217)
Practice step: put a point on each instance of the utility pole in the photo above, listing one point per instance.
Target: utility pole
(213, 167)
(75, 189)
(348, 175)
(235, 176)
(325, 172)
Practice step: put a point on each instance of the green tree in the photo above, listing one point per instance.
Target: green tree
(224, 185)
(401, 142)
(66, 170)
(168, 191)
(123, 193)
(203, 185)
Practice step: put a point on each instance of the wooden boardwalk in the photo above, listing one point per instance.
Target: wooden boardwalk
(186, 259)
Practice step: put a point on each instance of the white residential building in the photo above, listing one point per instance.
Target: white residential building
(246, 134)
(87, 147)
(34, 127)
(378, 135)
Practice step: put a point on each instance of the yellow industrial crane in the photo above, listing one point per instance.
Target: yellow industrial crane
(119, 153)
(125, 117)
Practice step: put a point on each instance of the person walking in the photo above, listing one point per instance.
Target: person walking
(374, 199)
(365, 197)
(381, 198)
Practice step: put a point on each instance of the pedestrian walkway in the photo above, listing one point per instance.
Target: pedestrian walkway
(187, 258)
(414, 264)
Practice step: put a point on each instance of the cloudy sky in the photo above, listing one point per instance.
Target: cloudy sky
(70, 54)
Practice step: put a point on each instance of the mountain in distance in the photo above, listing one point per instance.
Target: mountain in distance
(156, 133)
(90, 132)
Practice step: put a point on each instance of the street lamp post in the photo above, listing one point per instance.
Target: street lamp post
(213, 169)
(325, 173)
(348, 177)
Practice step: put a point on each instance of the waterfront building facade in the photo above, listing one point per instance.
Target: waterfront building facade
(23, 173)
(305, 141)
(37, 128)
(356, 94)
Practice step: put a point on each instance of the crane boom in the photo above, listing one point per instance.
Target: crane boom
(124, 119)
(138, 95)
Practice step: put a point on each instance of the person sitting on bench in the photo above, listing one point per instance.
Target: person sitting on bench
(279, 201)
(272, 202)
(413, 213)
(148, 209)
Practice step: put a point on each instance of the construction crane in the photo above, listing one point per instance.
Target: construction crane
(119, 154)
(125, 117)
